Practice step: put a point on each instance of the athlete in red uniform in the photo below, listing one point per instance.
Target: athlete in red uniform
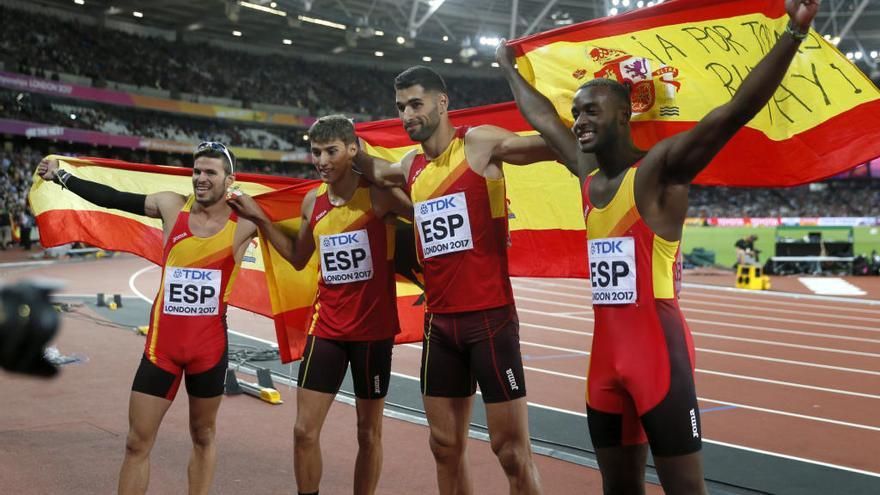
(204, 244)
(640, 383)
(355, 313)
(471, 329)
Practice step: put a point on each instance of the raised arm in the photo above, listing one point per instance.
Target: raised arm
(492, 144)
(688, 153)
(542, 116)
(381, 172)
(162, 205)
(296, 251)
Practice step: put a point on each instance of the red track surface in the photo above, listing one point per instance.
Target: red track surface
(793, 377)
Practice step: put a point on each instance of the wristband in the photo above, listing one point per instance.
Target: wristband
(61, 177)
(797, 35)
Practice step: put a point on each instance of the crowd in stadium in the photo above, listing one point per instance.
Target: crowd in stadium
(840, 198)
(44, 45)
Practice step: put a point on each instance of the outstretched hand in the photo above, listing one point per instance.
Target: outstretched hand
(505, 55)
(802, 12)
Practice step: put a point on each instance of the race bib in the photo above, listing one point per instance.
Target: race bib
(191, 291)
(613, 270)
(443, 225)
(346, 257)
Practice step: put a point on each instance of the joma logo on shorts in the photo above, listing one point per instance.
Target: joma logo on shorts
(511, 379)
(377, 384)
(694, 429)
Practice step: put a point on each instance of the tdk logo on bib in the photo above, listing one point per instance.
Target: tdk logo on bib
(443, 225)
(613, 270)
(346, 257)
(191, 291)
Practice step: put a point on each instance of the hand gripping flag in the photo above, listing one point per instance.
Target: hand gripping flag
(266, 283)
(683, 58)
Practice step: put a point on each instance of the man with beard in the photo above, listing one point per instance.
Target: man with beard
(204, 242)
(640, 387)
(457, 188)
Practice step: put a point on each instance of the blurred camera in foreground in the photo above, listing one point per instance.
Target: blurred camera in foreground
(28, 321)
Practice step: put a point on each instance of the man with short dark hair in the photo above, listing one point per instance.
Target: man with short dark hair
(456, 184)
(204, 242)
(351, 224)
(640, 386)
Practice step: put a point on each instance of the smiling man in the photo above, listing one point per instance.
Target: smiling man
(640, 384)
(351, 223)
(204, 242)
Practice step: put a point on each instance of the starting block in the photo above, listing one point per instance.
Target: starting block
(751, 277)
(264, 390)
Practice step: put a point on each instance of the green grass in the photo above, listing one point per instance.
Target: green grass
(722, 239)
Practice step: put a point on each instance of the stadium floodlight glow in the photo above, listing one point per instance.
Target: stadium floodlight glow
(447, 60)
(849, 55)
(489, 40)
(615, 2)
(322, 22)
(79, 2)
(835, 40)
(640, 4)
(495, 64)
(379, 32)
(236, 33)
(273, 4)
(379, 54)
(401, 40)
(287, 41)
(859, 55)
(426, 59)
(73, 116)
(263, 8)
(445, 38)
(625, 3)
(137, 14)
(873, 53)
(613, 11)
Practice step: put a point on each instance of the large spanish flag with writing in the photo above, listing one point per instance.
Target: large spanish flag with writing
(683, 58)
(266, 283)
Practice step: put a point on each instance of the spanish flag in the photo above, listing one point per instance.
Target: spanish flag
(683, 58)
(267, 284)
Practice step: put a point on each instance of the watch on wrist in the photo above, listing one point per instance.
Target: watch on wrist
(795, 32)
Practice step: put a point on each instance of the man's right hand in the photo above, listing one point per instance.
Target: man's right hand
(47, 168)
(505, 55)
(246, 207)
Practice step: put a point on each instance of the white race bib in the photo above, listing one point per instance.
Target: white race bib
(613, 270)
(192, 291)
(346, 257)
(443, 225)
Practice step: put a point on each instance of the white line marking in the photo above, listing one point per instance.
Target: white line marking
(831, 286)
(137, 274)
(707, 440)
(838, 314)
(20, 264)
(707, 322)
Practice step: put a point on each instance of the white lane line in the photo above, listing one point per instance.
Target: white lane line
(831, 286)
(711, 335)
(134, 277)
(586, 307)
(707, 440)
(734, 354)
(707, 322)
(583, 284)
(755, 408)
(21, 264)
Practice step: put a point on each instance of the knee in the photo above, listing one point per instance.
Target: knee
(446, 449)
(202, 435)
(369, 437)
(137, 444)
(512, 456)
(304, 436)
